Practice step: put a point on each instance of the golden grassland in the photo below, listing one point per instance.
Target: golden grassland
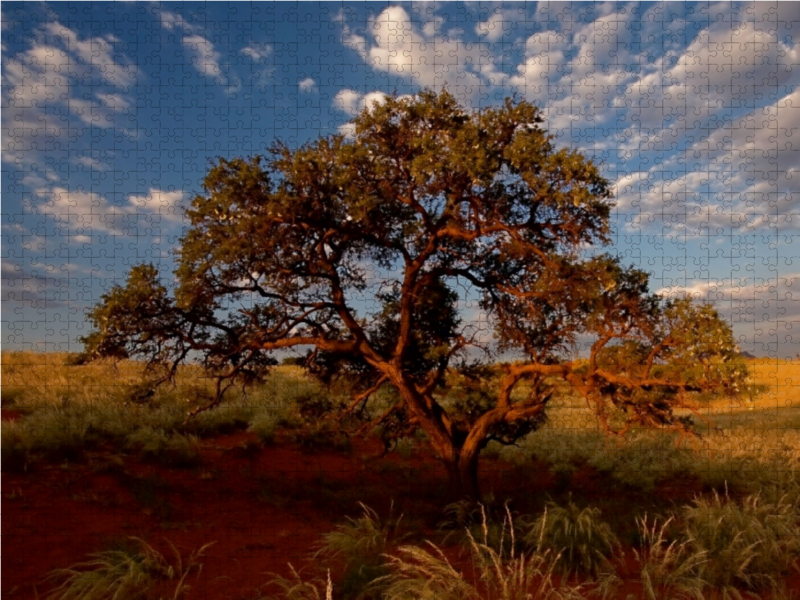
(757, 441)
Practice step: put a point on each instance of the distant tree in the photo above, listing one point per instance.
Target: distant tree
(356, 249)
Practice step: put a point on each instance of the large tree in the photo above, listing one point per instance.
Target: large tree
(366, 250)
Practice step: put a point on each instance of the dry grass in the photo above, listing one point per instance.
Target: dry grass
(126, 573)
(70, 408)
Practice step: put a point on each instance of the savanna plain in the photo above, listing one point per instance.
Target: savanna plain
(109, 492)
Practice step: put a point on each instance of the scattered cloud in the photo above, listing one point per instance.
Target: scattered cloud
(257, 51)
(391, 42)
(307, 85)
(88, 213)
(764, 311)
(200, 50)
(60, 84)
(353, 102)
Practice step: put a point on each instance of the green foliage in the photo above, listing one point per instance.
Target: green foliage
(704, 352)
(579, 535)
(128, 573)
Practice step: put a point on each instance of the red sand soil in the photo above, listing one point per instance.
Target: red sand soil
(264, 507)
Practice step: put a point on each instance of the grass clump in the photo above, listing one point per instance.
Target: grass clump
(156, 445)
(583, 539)
(481, 521)
(668, 569)
(422, 574)
(751, 545)
(297, 588)
(361, 544)
(132, 572)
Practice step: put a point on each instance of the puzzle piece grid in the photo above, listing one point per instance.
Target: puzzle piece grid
(111, 113)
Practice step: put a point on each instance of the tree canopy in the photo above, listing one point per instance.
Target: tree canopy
(360, 249)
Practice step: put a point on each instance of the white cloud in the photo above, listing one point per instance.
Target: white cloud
(348, 130)
(390, 42)
(203, 55)
(347, 101)
(90, 212)
(755, 156)
(307, 85)
(257, 51)
(201, 51)
(764, 311)
(354, 41)
(55, 77)
(353, 102)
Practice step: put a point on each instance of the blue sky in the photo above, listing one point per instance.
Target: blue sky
(111, 113)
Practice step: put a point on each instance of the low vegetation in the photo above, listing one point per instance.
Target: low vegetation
(130, 572)
(739, 538)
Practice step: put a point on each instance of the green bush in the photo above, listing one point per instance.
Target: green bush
(60, 433)
(264, 425)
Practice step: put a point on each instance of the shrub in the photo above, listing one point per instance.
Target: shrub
(127, 573)
(321, 436)
(584, 540)
(481, 521)
(59, 433)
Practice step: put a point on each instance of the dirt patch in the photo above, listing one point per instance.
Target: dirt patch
(264, 507)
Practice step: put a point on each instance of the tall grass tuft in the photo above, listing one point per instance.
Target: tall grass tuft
(420, 574)
(129, 573)
(297, 588)
(361, 545)
(752, 545)
(668, 569)
(584, 540)
(483, 521)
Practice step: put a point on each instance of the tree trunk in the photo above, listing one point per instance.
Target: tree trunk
(463, 481)
(461, 463)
